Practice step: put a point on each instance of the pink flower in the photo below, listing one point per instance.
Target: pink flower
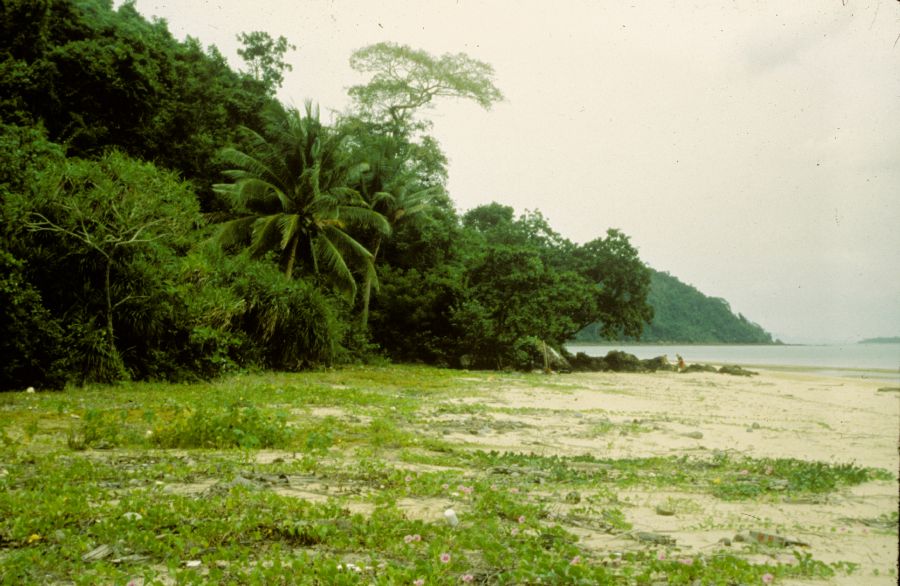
(412, 538)
(465, 489)
(768, 578)
(419, 582)
(514, 531)
(661, 556)
(514, 490)
(686, 561)
(744, 472)
(408, 479)
(445, 486)
(468, 578)
(575, 560)
(445, 558)
(521, 518)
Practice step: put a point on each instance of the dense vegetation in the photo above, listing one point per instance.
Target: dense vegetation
(683, 314)
(163, 216)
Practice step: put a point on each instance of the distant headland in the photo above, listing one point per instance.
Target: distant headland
(892, 340)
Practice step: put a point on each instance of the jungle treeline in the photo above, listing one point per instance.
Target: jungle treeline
(163, 216)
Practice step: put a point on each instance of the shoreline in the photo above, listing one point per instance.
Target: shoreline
(777, 414)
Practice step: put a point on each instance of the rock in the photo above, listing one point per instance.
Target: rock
(450, 516)
(700, 368)
(98, 553)
(657, 363)
(889, 390)
(664, 510)
(755, 425)
(657, 538)
(735, 370)
(693, 435)
(573, 497)
(773, 539)
(725, 541)
(581, 362)
(534, 353)
(619, 361)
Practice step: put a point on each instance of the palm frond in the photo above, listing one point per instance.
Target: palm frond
(289, 225)
(266, 234)
(329, 257)
(235, 232)
(364, 218)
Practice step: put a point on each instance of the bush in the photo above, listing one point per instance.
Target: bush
(32, 345)
(247, 313)
(240, 425)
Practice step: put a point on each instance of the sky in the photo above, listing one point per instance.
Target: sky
(751, 149)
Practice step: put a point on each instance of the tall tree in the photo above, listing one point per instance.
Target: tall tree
(623, 284)
(405, 79)
(292, 190)
(265, 57)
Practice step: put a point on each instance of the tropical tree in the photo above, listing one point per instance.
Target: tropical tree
(292, 191)
(396, 183)
(406, 79)
(264, 57)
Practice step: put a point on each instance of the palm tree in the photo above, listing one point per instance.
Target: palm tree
(292, 188)
(393, 187)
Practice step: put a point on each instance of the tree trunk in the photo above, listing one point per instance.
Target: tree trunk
(292, 256)
(109, 307)
(367, 288)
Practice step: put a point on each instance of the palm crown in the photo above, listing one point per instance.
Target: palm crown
(292, 189)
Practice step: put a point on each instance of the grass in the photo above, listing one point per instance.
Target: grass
(241, 482)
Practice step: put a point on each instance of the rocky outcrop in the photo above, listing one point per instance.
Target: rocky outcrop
(618, 361)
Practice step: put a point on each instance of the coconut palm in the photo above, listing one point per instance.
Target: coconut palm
(293, 191)
(393, 187)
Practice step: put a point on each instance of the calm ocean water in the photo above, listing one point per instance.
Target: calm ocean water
(870, 360)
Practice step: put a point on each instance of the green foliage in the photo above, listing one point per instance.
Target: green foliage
(96, 77)
(238, 425)
(293, 192)
(681, 313)
(325, 512)
(32, 346)
(247, 312)
(405, 79)
(105, 273)
(265, 57)
(112, 224)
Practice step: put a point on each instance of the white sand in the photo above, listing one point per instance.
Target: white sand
(776, 414)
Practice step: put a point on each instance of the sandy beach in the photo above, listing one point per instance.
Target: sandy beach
(776, 414)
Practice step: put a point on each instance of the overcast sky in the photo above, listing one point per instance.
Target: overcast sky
(752, 149)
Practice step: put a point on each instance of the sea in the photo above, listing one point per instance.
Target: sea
(875, 361)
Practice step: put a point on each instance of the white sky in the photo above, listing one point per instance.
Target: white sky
(750, 148)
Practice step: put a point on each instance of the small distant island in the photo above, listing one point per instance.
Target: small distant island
(891, 340)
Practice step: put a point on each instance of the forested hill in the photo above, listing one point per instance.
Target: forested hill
(684, 314)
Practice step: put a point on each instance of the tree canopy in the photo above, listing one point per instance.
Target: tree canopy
(406, 79)
(163, 216)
